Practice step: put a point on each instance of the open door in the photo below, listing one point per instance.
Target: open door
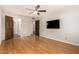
(37, 23)
(8, 27)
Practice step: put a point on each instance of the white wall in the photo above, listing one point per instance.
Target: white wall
(69, 25)
(26, 26)
(2, 24)
(17, 25)
(0, 27)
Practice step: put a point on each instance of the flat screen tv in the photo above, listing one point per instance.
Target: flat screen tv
(53, 24)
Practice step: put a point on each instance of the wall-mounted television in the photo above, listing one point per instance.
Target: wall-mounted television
(53, 24)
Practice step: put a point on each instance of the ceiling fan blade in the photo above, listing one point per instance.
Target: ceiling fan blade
(30, 9)
(41, 10)
(31, 12)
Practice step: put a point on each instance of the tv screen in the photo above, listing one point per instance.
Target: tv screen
(53, 24)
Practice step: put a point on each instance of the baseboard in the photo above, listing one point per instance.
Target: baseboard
(61, 41)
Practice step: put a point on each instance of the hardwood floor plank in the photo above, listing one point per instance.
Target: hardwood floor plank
(36, 45)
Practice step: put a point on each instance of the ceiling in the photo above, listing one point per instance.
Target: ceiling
(21, 9)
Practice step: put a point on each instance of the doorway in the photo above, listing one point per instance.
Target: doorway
(9, 27)
(37, 27)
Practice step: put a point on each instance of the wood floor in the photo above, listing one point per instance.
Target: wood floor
(36, 45)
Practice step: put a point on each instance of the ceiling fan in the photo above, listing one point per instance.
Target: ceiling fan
(36, 9)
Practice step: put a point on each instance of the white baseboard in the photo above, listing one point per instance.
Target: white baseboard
(61, 40)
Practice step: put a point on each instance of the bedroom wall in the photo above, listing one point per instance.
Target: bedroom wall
(0, 27)
(69, 25)
(26, 26)
(17, 26)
